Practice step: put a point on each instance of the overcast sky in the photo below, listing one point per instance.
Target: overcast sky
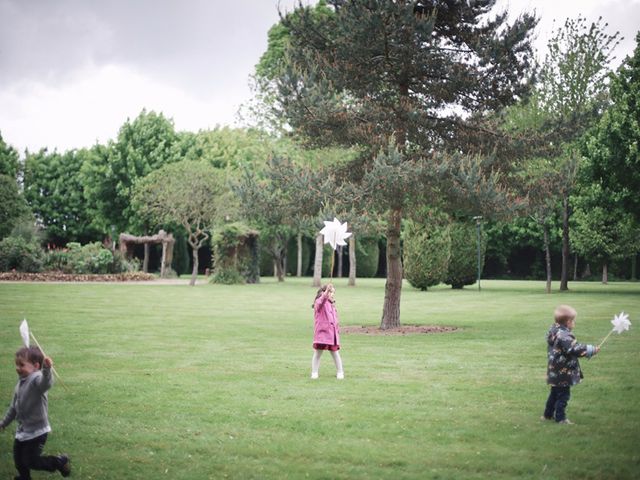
(73, 71)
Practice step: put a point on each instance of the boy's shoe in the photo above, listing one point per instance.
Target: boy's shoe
(314, 375)
(543, 418)
(65, 465)
(340, 375)
(566, 421)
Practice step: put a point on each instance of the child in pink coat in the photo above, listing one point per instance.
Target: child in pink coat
(326, 333)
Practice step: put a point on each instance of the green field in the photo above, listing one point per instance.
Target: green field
(212, 381)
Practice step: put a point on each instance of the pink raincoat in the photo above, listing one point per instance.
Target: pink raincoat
(325, 316)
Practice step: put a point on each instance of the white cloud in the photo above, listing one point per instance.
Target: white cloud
(94, 104)
(74, 71)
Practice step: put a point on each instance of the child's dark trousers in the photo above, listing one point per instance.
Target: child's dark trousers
(28, 456)
(557, 403)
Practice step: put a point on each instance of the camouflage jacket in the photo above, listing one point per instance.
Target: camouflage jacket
(563, 351)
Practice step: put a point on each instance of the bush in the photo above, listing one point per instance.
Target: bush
(235, 254)
(121, 264)
(57, 260)
(90, 258)
(18, 254)
(367, 257)
(463, 264)
(292, 255)
(426, 253)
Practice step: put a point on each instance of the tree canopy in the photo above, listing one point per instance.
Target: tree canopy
(612, 147)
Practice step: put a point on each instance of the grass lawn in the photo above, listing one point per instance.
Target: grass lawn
(212, 381)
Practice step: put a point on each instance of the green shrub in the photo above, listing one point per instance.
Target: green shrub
(57, 260)
(292, 256)
(121, 264)
(367, 257)
(181, 254)
(18, 254)
(426, 253)
(463, 264)
(90, 258)
(234, 256)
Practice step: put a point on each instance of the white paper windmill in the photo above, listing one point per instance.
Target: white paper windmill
(620, 323)
(26, 335)
(335, 233)
(24, 332)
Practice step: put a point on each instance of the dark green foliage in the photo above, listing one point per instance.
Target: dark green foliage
(12, 205)
(367, 255)
(463, 264)
(292, 255)
(426, 253)
(54, 188)
(143, 146)
(181, 254)
(235, 258)
(21, 255)
(612, 147)
(90, 258)
(603, 231)
(374, 69)
(266, 262)
(9, 160)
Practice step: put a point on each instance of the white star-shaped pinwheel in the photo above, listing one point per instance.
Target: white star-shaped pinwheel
(621, 322)
(24, 332)
(335, 233)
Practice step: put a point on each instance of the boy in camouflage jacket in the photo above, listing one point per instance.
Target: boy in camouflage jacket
(563, 368)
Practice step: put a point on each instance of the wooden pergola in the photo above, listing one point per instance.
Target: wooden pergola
(166, 239)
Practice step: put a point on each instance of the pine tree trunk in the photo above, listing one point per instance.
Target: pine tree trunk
(393, 287)
(547, 255)
(317, 263)
(339, 253)
(194, 272)
(575, 267)
(352, 261)
(605, 273)
(299, 265)
(565, 244)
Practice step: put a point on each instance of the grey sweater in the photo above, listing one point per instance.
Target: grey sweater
(30, 405)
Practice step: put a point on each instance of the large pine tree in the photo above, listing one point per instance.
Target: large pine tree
(422, 75)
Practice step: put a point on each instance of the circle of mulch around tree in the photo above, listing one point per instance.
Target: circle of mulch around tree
(403, 330)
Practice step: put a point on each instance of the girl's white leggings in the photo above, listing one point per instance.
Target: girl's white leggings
(315, 361)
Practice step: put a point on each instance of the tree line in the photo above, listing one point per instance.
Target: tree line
(410, 120)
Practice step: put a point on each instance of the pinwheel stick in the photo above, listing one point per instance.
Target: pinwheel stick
(333, 256)
(52, 367)
(605, 338)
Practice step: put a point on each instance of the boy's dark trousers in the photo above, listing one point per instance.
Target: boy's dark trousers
(27, 456)
(557, 403)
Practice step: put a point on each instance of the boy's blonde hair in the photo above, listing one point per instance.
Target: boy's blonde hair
(563, 314)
